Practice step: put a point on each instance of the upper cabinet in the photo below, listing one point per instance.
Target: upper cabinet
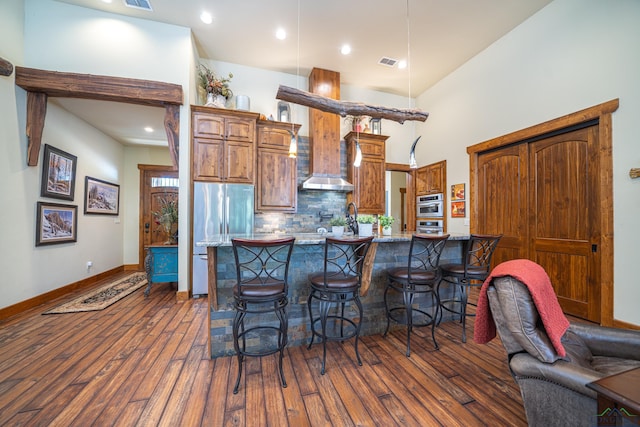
(431, 179)
(277, 172)
(223, 145)
(368, 180)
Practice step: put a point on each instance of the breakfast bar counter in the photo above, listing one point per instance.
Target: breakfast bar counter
(308, 256)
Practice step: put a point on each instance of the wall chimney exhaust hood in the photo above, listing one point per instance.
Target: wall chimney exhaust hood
(327, 183)
(324, 137)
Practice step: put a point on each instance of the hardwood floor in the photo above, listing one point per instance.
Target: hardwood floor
(145, 362)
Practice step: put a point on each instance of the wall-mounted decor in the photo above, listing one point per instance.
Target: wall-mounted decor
(376, 126)
(58, 174)
(284, 112)
(457, 192)
(457, 209)
(101, 197)
(56, 223)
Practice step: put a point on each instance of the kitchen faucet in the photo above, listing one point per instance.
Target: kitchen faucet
(352, 221)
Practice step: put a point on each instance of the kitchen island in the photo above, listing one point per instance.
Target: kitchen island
(307, 256)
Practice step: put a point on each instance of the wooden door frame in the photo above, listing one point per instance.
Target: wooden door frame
(42, 84)
(602, 113)
(410, 194)
(143, 169)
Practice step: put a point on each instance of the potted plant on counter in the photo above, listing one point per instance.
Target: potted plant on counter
(365, 225)
(337, 224)
(385, 222)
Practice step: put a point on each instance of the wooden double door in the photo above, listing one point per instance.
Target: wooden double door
(545, 195)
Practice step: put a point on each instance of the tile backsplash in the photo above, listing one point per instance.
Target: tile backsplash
(311, 203)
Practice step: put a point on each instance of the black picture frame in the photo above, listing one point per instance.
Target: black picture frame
(58, 174)
(56, 223)
(101, 197)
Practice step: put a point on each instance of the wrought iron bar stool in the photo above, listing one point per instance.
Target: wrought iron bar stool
(472, 272)
(338, 284)
(420, 276)
(262, 270)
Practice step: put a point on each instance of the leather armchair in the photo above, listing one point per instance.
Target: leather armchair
(554, 388)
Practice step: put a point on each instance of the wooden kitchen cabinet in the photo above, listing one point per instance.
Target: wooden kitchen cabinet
(431, 179)
(369, 179)
(223, 145)
(276, 171)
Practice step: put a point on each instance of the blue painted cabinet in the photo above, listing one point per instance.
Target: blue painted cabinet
(161, 265)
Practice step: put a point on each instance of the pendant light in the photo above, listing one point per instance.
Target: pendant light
(358, 158)
(412, 153)
(293, 145)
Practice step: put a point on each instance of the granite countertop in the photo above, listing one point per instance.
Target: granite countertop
(314, 238)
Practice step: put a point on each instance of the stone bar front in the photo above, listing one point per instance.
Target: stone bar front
(307, 257)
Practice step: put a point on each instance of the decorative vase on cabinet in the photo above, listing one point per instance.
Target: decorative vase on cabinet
(218, 101)
(210, 100)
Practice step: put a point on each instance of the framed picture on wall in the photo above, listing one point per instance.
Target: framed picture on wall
(101, 197)
(457, 192)
(457, 209)
(58, 174)
(56, 223)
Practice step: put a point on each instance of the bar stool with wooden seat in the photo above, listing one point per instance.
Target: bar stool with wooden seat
(419, 277)
(472, 272)
(262, 271)
(338, 284)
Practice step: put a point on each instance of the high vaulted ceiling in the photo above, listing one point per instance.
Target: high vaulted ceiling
(435, 36)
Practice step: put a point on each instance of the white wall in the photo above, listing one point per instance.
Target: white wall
(55, 36)
(30, 270)
(571, 55)
(63, 37)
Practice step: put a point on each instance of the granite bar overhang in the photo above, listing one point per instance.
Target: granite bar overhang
(307, 257)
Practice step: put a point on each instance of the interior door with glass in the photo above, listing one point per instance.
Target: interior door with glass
(157, 185)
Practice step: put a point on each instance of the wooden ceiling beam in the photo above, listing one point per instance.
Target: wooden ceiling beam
(6, 67)
(41, 84)
(347, 108)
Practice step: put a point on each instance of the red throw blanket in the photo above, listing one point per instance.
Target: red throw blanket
(544, 297)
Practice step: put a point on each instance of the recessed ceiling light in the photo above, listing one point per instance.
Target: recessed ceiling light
(346, 49)
(148, 129)
(206, 17)
(402, 64)
(281, 34)
(107, 1)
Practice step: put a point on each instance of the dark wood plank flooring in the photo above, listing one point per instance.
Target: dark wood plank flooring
(145, 362)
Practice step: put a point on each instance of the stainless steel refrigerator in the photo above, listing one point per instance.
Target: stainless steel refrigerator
(219, 210)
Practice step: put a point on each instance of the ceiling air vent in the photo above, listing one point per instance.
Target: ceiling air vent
(387, 62)
(139, 4)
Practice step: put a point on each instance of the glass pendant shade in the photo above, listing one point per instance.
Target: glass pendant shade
(412, 160)
(358, 159)
(293, 146)
(412, 154)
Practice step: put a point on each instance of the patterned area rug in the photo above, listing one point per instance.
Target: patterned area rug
(103, 296)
